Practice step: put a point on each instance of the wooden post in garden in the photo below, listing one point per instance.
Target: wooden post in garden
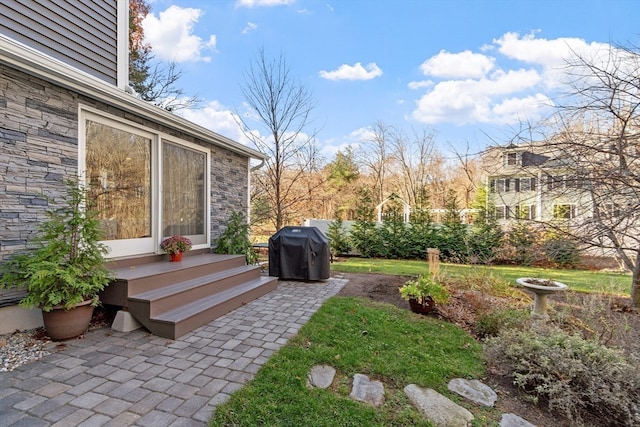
(433, 256)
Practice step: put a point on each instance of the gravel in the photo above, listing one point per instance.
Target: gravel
(22, 347)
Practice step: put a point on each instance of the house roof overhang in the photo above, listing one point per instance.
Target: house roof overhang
(23, 58)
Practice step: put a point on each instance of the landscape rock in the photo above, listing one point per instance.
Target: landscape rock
(436, 408)
(321, 376)
(365, 390)
(512, 420)
(474, 391)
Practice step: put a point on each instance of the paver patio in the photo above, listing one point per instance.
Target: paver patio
(113, 378)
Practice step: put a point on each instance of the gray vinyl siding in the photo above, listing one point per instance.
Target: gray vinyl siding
(81, 33)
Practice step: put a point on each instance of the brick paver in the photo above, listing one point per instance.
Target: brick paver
(137, 379)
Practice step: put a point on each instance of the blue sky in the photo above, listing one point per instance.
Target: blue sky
(468, 69)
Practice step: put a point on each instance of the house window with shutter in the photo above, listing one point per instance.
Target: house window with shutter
(565, 211)
(511, 158)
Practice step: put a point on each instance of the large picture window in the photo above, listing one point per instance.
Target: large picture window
(146, 185)
(183, 191)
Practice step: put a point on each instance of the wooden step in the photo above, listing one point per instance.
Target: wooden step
(138, 278)
(179, 321)
(173, 298)
(167, 297)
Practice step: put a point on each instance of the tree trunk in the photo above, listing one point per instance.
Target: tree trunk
(635, 284)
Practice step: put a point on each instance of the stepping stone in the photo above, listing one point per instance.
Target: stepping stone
(365, 390)
(321, 376)
(512, 420)
(473, 390)
(436, 408)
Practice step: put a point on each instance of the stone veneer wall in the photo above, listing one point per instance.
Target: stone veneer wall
(39, 149)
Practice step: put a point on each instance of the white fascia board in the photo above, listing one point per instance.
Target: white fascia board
(123, 47)
(31, 61)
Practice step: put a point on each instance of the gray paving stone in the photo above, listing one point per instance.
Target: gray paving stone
(124, 419)
(191, 406)
(96, 420)
(29, 403)
(26, 421)
(86, 386)
(158, 384)
(52, 389)
(10, 416)
(88, 400)
(156, 419)
(53, 405)
(170, 404)
(112, 407)
(182, 391)
(59, 413)
(148, 403)
(186, 422)
(74, 418)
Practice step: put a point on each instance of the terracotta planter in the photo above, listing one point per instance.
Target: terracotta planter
(62, 324)
(177, 257)
(425, 308)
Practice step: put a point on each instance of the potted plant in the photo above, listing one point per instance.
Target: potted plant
(65, 270)
(423, 293)
(175, 246)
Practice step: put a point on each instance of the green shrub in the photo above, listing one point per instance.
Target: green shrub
(492, 323)
(66, 266)
(520, 244)
(561, 251)
(338, 238)
(577, 377)
(235, 239)
(424, 287)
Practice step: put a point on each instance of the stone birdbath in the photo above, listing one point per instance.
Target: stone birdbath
(540, 288)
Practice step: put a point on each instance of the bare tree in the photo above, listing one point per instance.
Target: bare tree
(418, 160)
(374, 155)
(281, 107)
(155, 84)
(597, 143)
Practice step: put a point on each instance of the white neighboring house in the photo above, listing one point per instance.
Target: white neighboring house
(531, 182)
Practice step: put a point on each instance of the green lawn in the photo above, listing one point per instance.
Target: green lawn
(580, 280)
(354, 335)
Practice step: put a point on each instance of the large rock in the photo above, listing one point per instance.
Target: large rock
(365, 390)
(512, 420)
(474, 390)
(436, 408)
(321, 376)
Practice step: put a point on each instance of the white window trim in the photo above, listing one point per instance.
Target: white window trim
(89, 113)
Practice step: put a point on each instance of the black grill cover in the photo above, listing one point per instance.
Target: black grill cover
(299, 253)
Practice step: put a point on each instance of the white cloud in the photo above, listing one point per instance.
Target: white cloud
(251, 26)
(171, 35)
(216, 117)
(468, 87)
(550, 55)
(265, 3)
(353, 72)
(420, 84)
(458, 65)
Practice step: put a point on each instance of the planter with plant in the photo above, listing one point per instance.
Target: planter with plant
(423, 294)
(65, 270)
(175, 246)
